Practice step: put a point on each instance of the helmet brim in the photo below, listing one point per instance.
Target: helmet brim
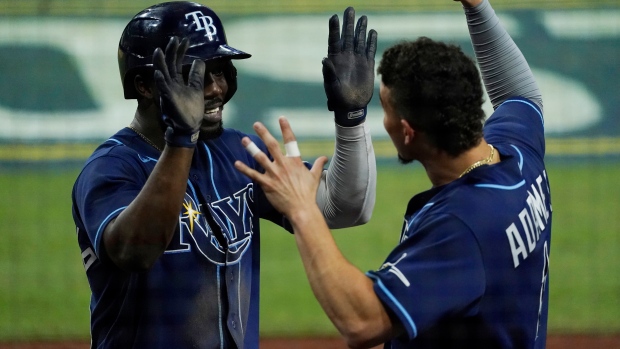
(207, 53)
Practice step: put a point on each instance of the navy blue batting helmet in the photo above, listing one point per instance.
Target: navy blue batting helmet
(154, 26)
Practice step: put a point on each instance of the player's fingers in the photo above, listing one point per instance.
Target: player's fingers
(180, 53)
(196, 75)
(329, 71)
(272, 144)
(371, 46)
(256, 153)
(160, 82)
(250, 146)
(318, 166)
(250, 172)
(159, 61)
(290, 142)
(348, 27)
(333, 40)
(171, 56)
(360, 35)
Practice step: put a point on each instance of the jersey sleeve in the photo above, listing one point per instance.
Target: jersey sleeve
(435, 273)
(106, 186)
(517, 121)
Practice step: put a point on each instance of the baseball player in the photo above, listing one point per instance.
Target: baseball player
(472, 264)
(168, 229)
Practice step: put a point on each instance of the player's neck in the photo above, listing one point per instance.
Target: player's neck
(442, 168)
(148, 126)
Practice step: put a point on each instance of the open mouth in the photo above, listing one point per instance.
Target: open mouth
(213, 115)
(212, 111)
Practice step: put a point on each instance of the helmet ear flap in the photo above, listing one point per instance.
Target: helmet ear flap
(230, 72)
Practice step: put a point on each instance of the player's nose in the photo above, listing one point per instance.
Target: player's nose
(211, 86)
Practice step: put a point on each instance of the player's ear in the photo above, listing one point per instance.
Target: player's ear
(408, 131)
(143, 86)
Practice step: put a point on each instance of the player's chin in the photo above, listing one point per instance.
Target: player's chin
(403, 160)
(211, 130)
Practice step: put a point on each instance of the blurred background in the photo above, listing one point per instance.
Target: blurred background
(60, 96)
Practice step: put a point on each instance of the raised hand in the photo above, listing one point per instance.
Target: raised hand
(349, 68)
(288, 184)
(182, 104)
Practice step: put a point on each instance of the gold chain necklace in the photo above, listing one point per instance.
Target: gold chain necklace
(144, 138)
(480, 163)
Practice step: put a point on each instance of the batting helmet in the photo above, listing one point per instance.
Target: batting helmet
(153, 27)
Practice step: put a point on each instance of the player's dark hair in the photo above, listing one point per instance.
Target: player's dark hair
(437, 88)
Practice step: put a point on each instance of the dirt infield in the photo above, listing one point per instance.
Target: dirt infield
(553, 342)
(569, 341)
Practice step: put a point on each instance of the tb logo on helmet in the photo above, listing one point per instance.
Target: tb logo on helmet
(203, 23)
(152, 28)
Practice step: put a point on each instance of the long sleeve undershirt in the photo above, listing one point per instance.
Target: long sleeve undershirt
(504, 70)
(346, 195)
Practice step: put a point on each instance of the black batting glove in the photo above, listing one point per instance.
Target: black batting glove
(182, 105)
(349, 69)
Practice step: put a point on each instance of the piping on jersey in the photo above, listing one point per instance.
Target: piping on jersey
(507, 187)
(218, 267)
(422, 210)
(400, 307)
(502, 187)
(212, 181)
(520, 156)
(528, 103)
(219, 308)
(104, 223)
(239, 298)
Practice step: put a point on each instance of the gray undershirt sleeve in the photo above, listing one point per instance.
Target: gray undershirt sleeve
(346, 194)
(504, 70)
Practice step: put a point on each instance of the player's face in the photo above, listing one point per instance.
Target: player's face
(393, 124)
(215, 89)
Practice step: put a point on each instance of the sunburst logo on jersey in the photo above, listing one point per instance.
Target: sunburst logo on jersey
(191, 214)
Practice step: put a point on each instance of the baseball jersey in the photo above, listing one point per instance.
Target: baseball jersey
(203, 291)
(471, 268)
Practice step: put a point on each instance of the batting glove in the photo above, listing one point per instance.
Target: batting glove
(349, 68)
(182, 105)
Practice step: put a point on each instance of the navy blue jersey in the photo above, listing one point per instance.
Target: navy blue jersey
(203, 291)
(471, 268)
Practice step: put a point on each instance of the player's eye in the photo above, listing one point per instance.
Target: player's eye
(217, 72)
